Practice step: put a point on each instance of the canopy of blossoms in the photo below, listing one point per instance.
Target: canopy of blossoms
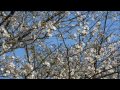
(59, 44)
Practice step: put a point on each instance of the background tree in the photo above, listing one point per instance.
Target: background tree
(59, 44)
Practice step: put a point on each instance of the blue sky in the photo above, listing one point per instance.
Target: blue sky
(20, 52)
(52, 40)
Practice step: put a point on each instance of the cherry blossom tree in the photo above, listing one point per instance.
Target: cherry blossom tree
(60, 44)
